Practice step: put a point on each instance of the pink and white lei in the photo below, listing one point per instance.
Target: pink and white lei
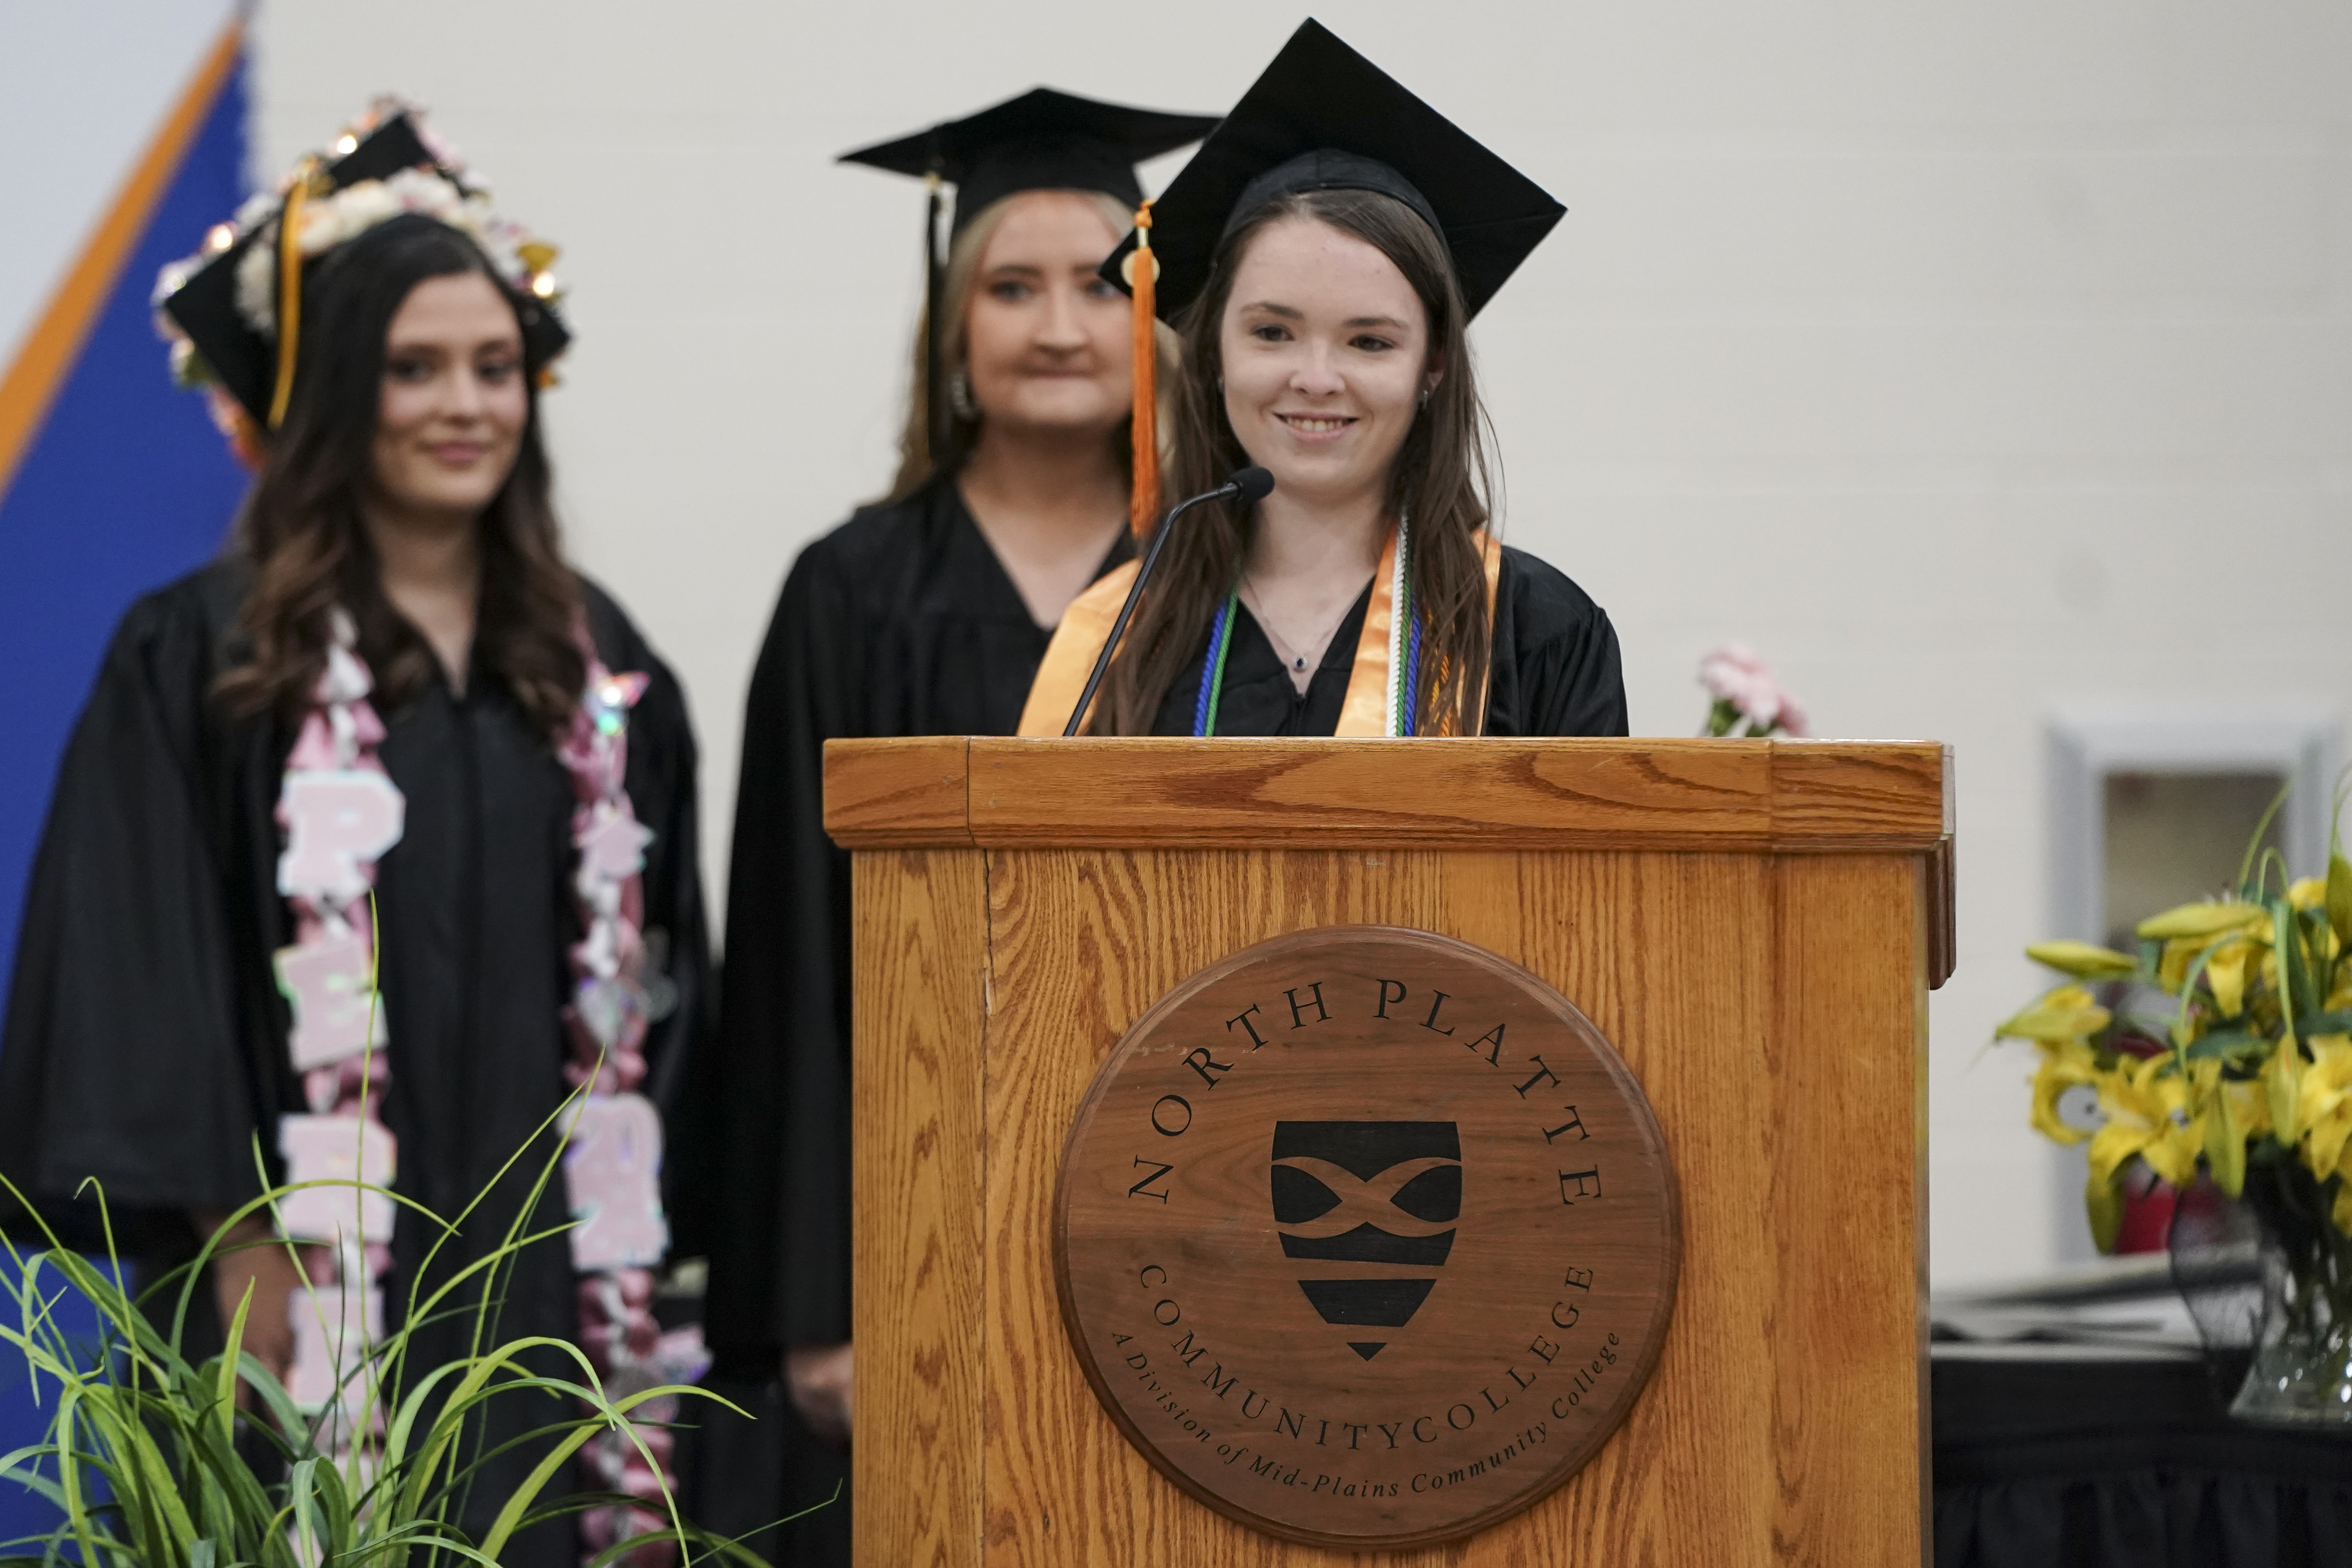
(342, 812)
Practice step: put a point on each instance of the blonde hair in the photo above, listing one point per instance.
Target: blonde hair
(916, 462)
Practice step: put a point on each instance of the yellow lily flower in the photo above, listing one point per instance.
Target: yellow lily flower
(2085, 960)
(2235, 1112)
(2226, 972)
(2180, 952)
(2066, 1013)
(2308, 893)
(2324, 1112)
(2282, 1079)
(2146, 1110)
(2064, 1064)
(2205, 920)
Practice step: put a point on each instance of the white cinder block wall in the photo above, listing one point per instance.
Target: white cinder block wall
(1964, 359)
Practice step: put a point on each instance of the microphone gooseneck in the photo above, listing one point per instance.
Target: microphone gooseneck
(1251, 484)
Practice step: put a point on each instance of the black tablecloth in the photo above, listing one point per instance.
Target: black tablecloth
(2125, 1462)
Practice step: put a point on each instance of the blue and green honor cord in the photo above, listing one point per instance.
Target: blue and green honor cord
(1213, 669)
(1404, 652)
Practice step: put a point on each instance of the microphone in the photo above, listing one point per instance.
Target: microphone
(1251, 484)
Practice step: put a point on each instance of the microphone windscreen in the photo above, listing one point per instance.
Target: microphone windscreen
(1256, 484)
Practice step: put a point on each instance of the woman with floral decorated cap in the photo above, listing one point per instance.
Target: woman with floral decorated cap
(376, 839)
(1321, 257)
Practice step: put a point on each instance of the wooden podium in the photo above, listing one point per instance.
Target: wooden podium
(1754, 924)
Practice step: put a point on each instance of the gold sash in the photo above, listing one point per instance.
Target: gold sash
(1364, 712)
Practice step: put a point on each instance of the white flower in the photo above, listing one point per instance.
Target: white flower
(446, 194)
(257, 283)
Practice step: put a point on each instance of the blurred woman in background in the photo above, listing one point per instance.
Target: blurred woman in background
(925, 613)
(390, 736)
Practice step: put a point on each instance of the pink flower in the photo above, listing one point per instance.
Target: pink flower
(1734, 674)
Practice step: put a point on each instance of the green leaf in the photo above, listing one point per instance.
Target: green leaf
(2234, 1045)
(2297, 998)
(228, 1360)
(2339, 896)
(2225, 1146)
(2254, 845)
(2104, 1202)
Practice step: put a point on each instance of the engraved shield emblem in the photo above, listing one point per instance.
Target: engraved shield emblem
(1349, 1194)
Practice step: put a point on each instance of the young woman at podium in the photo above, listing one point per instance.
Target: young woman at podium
(1321, 257)
(924, 613)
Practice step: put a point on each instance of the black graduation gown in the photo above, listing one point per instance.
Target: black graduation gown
(145, 1041)
(1556, 668)
(900, 622)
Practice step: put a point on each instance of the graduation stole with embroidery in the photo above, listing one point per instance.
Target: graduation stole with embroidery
(1383, 696)
(342, 812)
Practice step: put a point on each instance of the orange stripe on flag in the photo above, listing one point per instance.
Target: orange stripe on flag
(32, 383)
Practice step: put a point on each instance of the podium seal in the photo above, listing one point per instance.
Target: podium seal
(1366, 1238)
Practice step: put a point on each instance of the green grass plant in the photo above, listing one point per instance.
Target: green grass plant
(144, 1455)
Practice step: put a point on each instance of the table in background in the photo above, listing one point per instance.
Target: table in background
(2057, 1456)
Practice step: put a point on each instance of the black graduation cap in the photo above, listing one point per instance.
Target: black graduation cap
(1322, 117)
(1041, 140)
(244, 361)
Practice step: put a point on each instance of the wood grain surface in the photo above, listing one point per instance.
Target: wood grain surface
(917, 1148)
(1791, 795)
(902, 792)
(1771, 1005)
(1365, 1056)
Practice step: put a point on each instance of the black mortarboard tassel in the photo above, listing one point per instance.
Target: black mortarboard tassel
(1322, 117)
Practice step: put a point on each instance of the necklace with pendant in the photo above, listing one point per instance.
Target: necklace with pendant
(1404, 696)
(1283, 648)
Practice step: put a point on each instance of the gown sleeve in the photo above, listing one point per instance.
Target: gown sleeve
(1557, 670)
(122, 1059)
(780, 1257)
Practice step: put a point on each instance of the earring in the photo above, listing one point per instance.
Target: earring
(960, 397)
(1424, 399)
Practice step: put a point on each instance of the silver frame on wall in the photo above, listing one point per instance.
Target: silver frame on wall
(2298, 740)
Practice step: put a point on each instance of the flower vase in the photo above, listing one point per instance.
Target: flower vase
(2302, 1372)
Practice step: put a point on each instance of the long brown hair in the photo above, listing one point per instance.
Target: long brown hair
(917, 461)
(1440, 480)
(301, 529)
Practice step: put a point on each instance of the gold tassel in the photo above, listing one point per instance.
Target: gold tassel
(289, 285)
(1142, 273)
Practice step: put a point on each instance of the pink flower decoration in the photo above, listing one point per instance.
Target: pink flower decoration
(1734, 674)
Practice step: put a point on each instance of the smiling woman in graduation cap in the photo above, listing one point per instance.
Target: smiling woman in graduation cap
(1321, 257)
(390, 735)
(924, 613)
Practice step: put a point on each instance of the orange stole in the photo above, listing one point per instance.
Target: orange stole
(1078, 640)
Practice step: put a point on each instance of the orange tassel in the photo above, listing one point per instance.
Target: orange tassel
(1142, 273)
(289, 286)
